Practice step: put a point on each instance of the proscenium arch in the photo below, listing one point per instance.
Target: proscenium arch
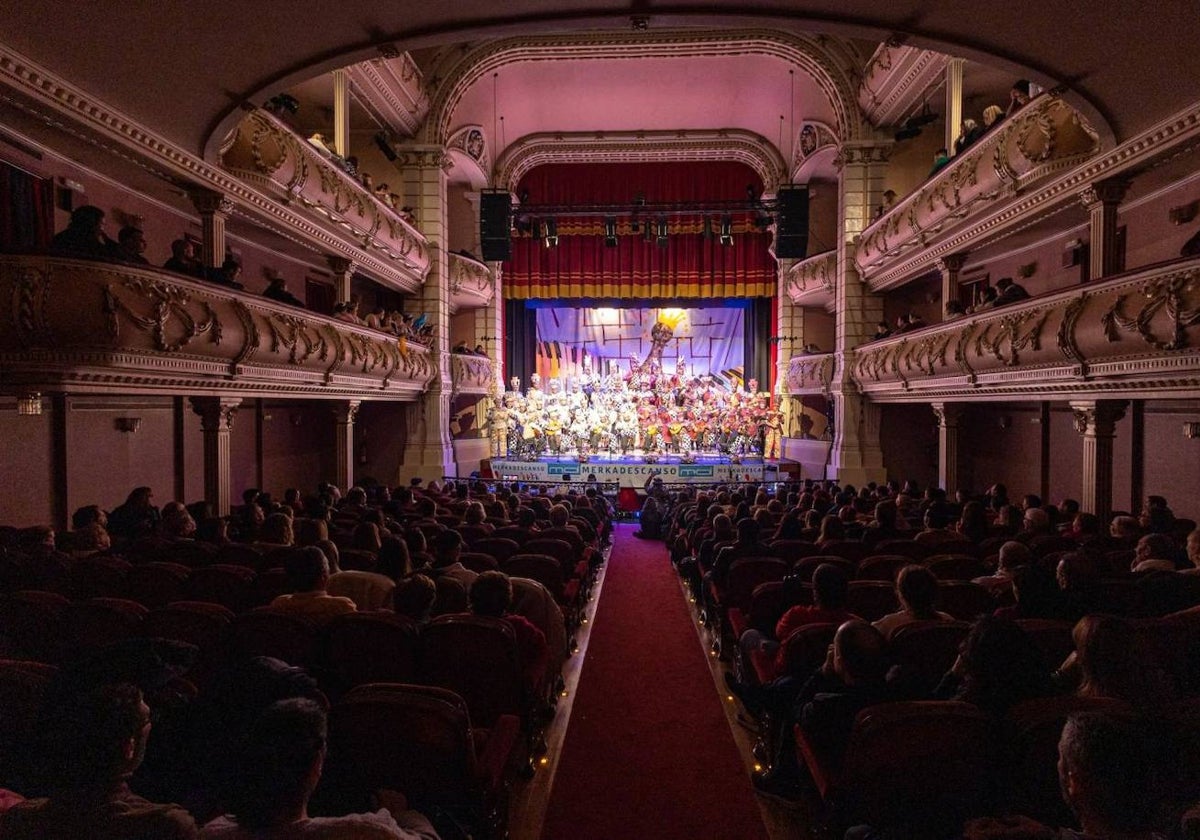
(746, 147)
(816, 56)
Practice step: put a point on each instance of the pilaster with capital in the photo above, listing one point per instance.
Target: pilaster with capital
(1097, 420)
(950, 266)
(429, 453)
(949, 464)
(1102, 201)
(343, 274)
(214, 208)
(344, 415)
(216, 423)
(856, 456)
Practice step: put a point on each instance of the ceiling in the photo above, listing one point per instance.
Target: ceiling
(183, 69)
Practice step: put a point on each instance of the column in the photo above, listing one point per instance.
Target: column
(954, 98)
(429, 453)
(343, 272)
(344, 414)
(950, 266)
(216, 422)
(1137, 454)
(214, 209)
(341, 112)
(1096, 420)
(60, 500)
(949, 467)
(1102, 201)
(856, 457)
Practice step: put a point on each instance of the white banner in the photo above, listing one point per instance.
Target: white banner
(629, 475)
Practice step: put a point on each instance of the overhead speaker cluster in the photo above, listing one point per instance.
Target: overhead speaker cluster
(791, 227)
(495, 224)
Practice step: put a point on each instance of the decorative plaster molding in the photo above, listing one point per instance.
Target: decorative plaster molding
(471, 283)
(813, 138)
(822, 57)
(129, 328)
(64, 106)
(390, 89)
(812, 277)
(471, 374)
(810, 374)
(896, 79)
(1164, 141)
(471, 142)
(1135, 333)
(1045, 138)
(642, 146)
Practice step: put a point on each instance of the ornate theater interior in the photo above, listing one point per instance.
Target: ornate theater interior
(946, 247)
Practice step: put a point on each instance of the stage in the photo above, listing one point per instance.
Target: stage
(633, 470)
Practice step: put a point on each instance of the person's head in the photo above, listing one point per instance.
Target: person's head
(85, 516)
(1154, 547)
(1020, 91)
(1157, 520)
(972, 522)
(969, 125)
(474, 514)
(831, 585)
(132, 240)
(858, 653)
(1013, 555)
(831, 529)
(937, 516)
(279, 765)
(414, 597)
(885, 514)
(917, 590)
(366, 537)
(394, 560)
(1001, 663)
(139, 497)
(447, 548)
(277, 530)
(1109, 771)
(1124, 527)
(214, 530)
(955, 307)
(1036, 521)
(941, 154)
(231, 268)
(992, 113)
(177, 523)
(307, 569)
(1036, 591)
(95, 737)
(1076, 571)
(747, 531)
(89, 218)
(1086, 525)
(92, 537)
(491, 594)
(1112, 661)
(356, 497)
(1193, 547)
(309, 531)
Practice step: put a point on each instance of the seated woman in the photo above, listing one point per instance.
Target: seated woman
(998, 666)
(917, 590)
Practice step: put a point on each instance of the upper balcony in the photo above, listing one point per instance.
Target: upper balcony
(1134, 334)
(471, 374)
(810, 374)
(811, 282)
(1045, 138)
(82, 326)
(471, 283)
(267, 154)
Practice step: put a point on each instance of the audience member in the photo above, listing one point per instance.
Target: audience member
(1009, 292)
(1018, 96)
(414, 597)
(491, 595)
(84, 236)
(992, 114)
(917, 591)
(308, 576)
(183, 259)
(277, 290)
(131, 246)
(940, 158)
(998, 666)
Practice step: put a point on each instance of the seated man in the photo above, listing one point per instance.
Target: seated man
(491, 596)
(277, 290)
(1013, 555)
(1009, 292)
(917, 591)
(95, 740)
(1154, 553)
(183, 259)
(131, 246)
(562, 529)
(308, 576)
(447, 548)
(275, 776)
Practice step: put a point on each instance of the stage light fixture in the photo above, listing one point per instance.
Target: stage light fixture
(726, 230)
(661, 232)
(550, 237)
(610, 232)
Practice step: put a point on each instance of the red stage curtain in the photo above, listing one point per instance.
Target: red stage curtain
(26, 212)
(690, 266)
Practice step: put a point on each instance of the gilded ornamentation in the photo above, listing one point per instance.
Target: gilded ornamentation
(250, 329)
(1066, 332)
(169, 304)
(808, 372)
(31, 293)
(1009, 330)
(1167, 295)
(292, 332)
(817, 273)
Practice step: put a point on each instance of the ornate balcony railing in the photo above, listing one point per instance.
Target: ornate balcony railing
(1135, 333)
(471, 374)
(92, 326)
(812, 281)
(810, 374)
(471, 283)
(264, 152)
(1045, 137)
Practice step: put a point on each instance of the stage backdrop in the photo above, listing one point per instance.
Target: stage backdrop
(574, 339)
(692, 264)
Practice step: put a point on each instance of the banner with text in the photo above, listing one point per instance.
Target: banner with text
(629, 475)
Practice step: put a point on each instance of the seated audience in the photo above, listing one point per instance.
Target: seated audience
(1154, 553)
(183, 259)
(308, 576)
(992, 114)
(274, 777)
(95, 740)
(277, 290)
(882, 330)
(1013, 556)
(84, 236)
(228, 274)
(413, 598)
(998, 666)
(917, 591)
(447, 549)
(491, 595)
(131, 246)
(1009, 292)
(136, 518)
(969, 132)
(1018, 96)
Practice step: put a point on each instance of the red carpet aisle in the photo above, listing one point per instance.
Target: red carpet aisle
(648, 751)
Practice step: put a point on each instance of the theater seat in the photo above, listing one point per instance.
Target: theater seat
(22, 687)
(360, 648)
(262, 632)
(871, 600)
(964, 600)
(95, 577)
(919, 768)
(499, 548)
(87, 625)
(792, 550)
(476, 657)
(28, 619)
(156, 584)
(925, 650)
(947, 566)
(807, 567)
(224, 584)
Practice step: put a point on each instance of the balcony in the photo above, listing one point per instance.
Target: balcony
(471, 283)
(811, 374)
(98, 327)
(1045, 138)
(811, 282)
(1134, 334)
(471, 374)
(268, 155)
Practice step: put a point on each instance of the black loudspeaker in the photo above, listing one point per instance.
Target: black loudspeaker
(495, 207)
(791, 228)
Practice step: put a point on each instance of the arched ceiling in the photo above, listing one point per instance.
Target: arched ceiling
(183, 69)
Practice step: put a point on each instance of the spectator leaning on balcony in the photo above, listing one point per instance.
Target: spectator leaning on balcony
(940, 158)
(227, 274)
(85, 236)
(183, 259)
(1018, 97)
(1009, 292)
(954, 310)
(277, 289)
(969, 132)
(131, 245)
(992, 114)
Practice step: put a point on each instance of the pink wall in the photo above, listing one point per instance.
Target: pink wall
(819, 328)
(461, 220)
(1173, 461)
(908, 436)
(385, 425)
(25, 468)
